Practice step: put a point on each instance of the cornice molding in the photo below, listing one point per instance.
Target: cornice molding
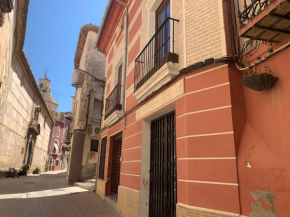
(113, 16)
(82, 41)
(21, 23)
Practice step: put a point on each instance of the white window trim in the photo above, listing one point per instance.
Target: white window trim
(56, 143)
(58, 131)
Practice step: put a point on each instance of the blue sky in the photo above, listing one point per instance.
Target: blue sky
(51, 40)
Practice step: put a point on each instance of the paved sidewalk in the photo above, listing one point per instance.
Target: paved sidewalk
(48, 195)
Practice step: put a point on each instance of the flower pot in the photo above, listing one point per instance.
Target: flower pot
(259, 82)
(23, 173)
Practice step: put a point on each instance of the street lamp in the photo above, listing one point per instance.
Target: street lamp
(79, 77)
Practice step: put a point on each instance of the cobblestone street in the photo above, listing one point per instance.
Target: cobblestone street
(48, 195)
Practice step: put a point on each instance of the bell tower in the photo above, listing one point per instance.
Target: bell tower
(44, 88)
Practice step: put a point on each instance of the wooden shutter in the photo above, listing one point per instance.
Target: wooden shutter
(103, 157)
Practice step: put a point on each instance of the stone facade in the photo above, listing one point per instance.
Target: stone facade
(86, 105)
(19, 99)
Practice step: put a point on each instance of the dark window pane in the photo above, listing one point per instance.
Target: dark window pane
(94, 145)
(102, 158)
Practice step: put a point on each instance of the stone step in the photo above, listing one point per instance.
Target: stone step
(112, 202)
(90, 180)
(86, 185)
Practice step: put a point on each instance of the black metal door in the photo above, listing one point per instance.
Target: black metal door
(115, 175)
(163, 182)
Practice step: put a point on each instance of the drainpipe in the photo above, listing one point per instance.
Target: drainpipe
(125, 60)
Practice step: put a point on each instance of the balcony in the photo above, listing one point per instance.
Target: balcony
(157, 61)
(34, 128)
(113, 105)
(266, 20)
(67, 137)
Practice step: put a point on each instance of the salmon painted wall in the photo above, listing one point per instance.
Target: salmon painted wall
(131, 152)
(206, 157)
(131, 144)
(266, 141)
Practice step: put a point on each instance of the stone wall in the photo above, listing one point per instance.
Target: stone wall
(15, 110)
(18, 98)
(92, 61)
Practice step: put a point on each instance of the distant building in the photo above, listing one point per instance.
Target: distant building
(87, 104)
(25, 121)
(58, 152)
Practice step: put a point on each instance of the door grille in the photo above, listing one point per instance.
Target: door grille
(163, 184)
(102, 158)
(115, 175)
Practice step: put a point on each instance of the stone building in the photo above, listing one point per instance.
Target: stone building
(58, 151)
(181, 135)
(25, 121)
(89, 64)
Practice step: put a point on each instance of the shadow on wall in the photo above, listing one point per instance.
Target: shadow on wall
(89, 169)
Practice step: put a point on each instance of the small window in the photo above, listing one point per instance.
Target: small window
(58, 131)
(163, 37)
(102, 158)
(55, 147)
(94, 145)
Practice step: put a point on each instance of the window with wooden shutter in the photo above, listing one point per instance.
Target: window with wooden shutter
(102, 158)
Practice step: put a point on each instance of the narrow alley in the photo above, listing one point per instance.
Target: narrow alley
(48, 195)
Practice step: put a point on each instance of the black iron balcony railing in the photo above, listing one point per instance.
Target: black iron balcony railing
(251, 9)
(156, 53)
(266, 20)
(113, 102)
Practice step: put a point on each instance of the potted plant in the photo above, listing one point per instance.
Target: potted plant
(23, 170)
(259, 80)
(36, 170)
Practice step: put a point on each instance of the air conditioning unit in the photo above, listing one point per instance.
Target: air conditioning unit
(94, 130)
